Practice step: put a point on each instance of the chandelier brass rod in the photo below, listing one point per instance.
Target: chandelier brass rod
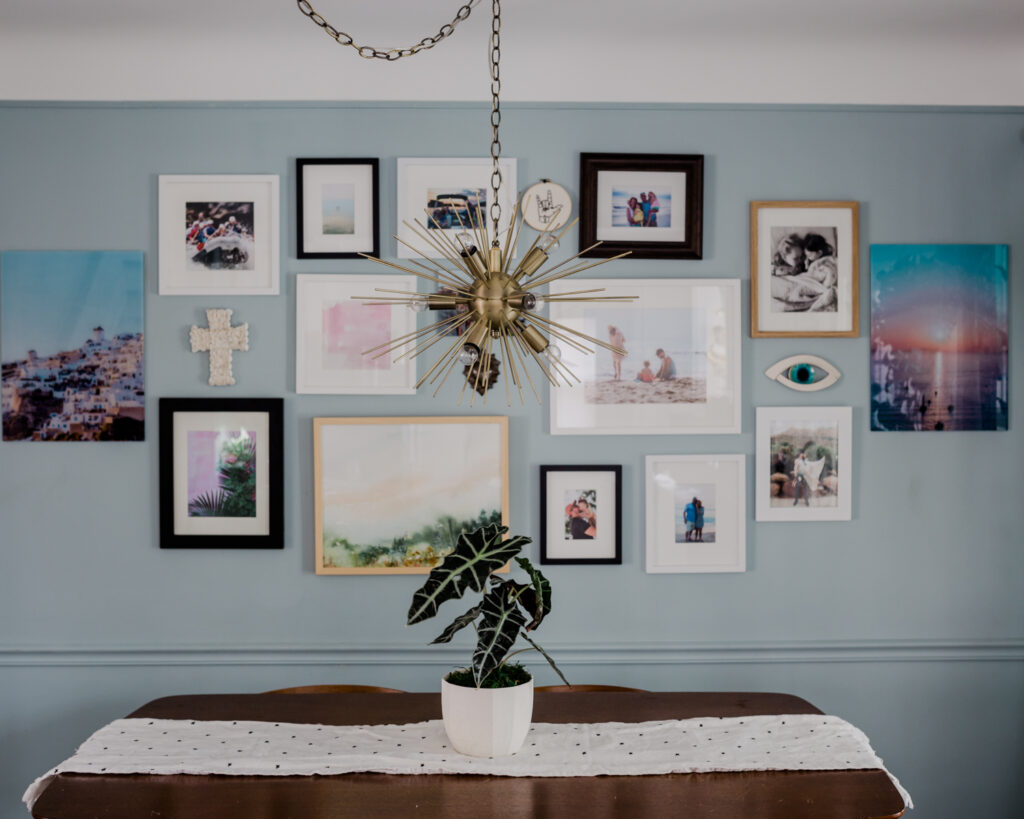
(556, 299)
(481, 225)
(606, 345)
(449, 242)
(529, 250)
(422, 345)
(451, 360)
(438, 268)
(571, 341)
(564, 262)
(516, 223)
(447, 371)
(480, 362)
(510, 374)
(573, 293)
(572, 272)
(409, 338)
(412, 272)
(451, 273)
(513, 344)
(510, 362)
(472, 230)
(531, 351)
(565, 369)
(448, 352)
(424, 234)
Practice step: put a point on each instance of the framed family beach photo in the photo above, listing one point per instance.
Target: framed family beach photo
(339, 336)
(581, 514)
(680, 372)
(804, 464)
(651, 205)
(221, 473)
(392, 495)
(337, 207)
(219, 235)
(696, 513)
(804, 269)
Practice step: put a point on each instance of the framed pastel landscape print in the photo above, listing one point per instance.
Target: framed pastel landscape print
(221, 473)
(940, 337)
(336, 330)
(72, 345)
(392, 495)
(219, 235)
(696, 513)
(651, 205)
(681, 371)
(447, 196)
(581, 514)
(804, 464)
(804, 269)
(337, 207)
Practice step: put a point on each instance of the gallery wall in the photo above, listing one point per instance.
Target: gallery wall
(907, 620)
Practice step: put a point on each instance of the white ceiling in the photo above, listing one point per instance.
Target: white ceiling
(786, 51)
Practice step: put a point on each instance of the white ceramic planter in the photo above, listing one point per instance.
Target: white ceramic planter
(487, 721)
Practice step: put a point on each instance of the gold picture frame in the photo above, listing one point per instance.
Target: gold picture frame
(808, 252)
(392, 494)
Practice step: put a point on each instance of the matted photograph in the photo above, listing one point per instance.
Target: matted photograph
(581, 514)
(392, 495)
(648, 204)
(804, 269)
(221, 463)
(696, 513)
(939, 337)
(337, 206)
(219, 235)
(676, 367)
(804, 463)
(342, 336)
(72, 345)
(447, 196)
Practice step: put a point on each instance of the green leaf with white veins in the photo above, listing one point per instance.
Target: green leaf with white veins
(457, 625)
(536, 599)
(499, 627)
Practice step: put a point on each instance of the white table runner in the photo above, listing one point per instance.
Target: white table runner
(794, 742)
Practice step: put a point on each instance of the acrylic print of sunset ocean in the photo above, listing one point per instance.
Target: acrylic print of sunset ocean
(939, 337)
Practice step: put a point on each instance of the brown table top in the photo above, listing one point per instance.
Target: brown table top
(764, 794)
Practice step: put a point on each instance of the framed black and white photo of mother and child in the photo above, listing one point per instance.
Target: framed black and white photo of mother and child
(581, 514)
(804, 269)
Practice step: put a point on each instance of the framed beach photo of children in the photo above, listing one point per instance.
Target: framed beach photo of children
(940, 337)
(392, 495)
(337, 208)
(696, 513)
(680, 370)
(651, 205)
(581, 514)
(804, 464)
(804, 269)
(219, 235)
(221, 473)
(448, 196)
(342, 336)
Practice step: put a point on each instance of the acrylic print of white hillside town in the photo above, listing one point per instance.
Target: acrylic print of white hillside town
(71, 346)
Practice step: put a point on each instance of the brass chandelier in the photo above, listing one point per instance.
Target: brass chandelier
(493, 300)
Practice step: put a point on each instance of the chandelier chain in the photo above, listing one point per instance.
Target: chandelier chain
(391, 54)
(495, 55)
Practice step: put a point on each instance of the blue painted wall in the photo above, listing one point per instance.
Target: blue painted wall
(908, 620)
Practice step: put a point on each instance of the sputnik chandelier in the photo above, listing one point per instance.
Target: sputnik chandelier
(493, 300)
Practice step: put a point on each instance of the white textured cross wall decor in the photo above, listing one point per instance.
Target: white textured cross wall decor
(219, 340)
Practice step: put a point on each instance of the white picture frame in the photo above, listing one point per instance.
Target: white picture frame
(784, 478)
(699, 320)
(219, 235)
(423, 181)
(331, 336)
(674, 543)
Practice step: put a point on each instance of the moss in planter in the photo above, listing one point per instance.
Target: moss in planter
(507, 676)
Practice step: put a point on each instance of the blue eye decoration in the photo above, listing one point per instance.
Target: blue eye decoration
(806, 373)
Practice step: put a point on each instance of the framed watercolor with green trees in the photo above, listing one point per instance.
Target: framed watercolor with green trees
(221, 473)
(392, 495)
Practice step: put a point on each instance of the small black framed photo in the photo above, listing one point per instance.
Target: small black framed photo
(581, 514)
(221, 473)
(337, 202)
(651, 205)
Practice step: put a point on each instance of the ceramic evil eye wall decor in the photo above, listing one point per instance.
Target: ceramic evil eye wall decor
(804, 372)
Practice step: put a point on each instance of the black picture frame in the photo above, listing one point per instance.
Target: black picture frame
(273, 538)
(548, 555)
(300, 172)
(593, 164)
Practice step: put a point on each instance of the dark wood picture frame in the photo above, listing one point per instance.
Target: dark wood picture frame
(274, 537)
(691, 247)
(300, 165)
(546, 556)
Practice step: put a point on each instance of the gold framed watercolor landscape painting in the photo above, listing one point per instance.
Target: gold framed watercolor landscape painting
(392, 495)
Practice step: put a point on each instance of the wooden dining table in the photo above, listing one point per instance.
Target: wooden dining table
(761, 794)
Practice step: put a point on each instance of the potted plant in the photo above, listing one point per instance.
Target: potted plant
(487, 707)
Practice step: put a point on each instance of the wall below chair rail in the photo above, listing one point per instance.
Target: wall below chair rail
(907, 620)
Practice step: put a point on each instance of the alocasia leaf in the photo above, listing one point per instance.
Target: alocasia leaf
(536, 599)
(547, 657)
(475, 556)
(458, 624)
(499, 627)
